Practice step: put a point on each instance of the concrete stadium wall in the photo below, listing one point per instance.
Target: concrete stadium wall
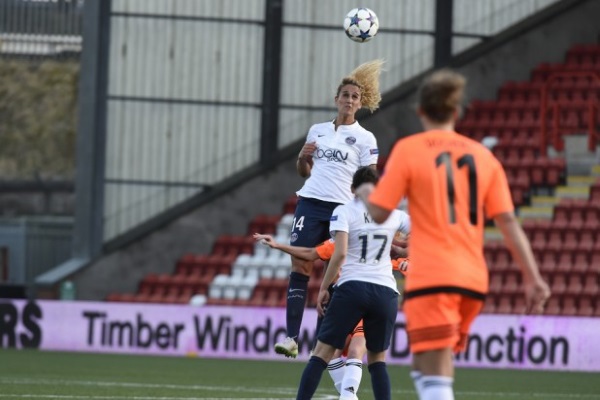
(511, 56)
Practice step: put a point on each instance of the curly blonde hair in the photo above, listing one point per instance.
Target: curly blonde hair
(366, 78)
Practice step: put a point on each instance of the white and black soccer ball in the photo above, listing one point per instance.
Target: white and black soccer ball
(361, 24)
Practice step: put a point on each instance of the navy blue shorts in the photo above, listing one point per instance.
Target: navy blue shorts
(311, 222)
(376, 305)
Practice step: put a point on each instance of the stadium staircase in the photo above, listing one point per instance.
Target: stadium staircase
(560, 214)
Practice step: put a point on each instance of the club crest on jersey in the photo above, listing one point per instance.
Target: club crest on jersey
(293, 237)
(351, 140)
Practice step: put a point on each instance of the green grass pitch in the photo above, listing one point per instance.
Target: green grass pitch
(75, 376)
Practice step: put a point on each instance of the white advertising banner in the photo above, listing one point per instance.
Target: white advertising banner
(496, 341)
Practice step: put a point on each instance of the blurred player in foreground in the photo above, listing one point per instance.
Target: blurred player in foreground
(345, 368)
(450, 181)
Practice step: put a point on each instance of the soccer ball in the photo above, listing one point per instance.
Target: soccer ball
(361, 24)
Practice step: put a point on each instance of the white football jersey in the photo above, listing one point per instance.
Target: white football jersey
(339, 154)
(369, 244)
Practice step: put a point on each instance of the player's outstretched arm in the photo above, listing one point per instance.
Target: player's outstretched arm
(304, 253)
(536, 289)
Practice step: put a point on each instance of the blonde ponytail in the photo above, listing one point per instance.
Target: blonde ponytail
(366, 78)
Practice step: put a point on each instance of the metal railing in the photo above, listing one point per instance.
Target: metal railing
(553, 134)
(44, 28)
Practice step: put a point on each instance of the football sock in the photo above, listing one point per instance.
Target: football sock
(311, 378)
(296, 299)
(352, 377)
(336, 371)
(436, 388)
(418, 381)
(380, 380)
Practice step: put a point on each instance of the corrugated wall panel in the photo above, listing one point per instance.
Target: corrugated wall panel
(177, 145)
(392, 14)
(314, 83)
(159, 142)
(295, 123)
(173, 59)
(242, 9)
(490, 17)
(184, 102)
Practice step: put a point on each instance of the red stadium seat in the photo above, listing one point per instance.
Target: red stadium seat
(511, 284)
(503, 260)
(548, 262)
(258, 297)
(559, 284)
(290, 205)
(504, 305)
(585, 307)
(575, 285)
(565, 262)
(489, 307)
(519, 306)
(496, 283)
(581, 262)
(569, 306)
(590, 284)
(553, 306)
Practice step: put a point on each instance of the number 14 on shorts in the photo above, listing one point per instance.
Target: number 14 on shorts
(298, 224)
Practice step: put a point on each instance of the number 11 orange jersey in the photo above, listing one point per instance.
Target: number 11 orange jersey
(449, 181)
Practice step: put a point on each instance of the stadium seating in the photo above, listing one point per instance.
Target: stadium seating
(565, 246)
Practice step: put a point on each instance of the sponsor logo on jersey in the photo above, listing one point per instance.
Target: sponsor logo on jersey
(334, 155)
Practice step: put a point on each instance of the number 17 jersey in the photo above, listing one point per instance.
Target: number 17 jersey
(450, 181)
(369, 244)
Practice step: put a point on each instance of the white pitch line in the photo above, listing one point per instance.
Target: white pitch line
(280, 391)
(283, 391)
(536, 395)
(93, 397)
(274, 390)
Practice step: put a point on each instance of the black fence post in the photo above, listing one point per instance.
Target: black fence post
(91, 131)
(443, 32)
(271, 81)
